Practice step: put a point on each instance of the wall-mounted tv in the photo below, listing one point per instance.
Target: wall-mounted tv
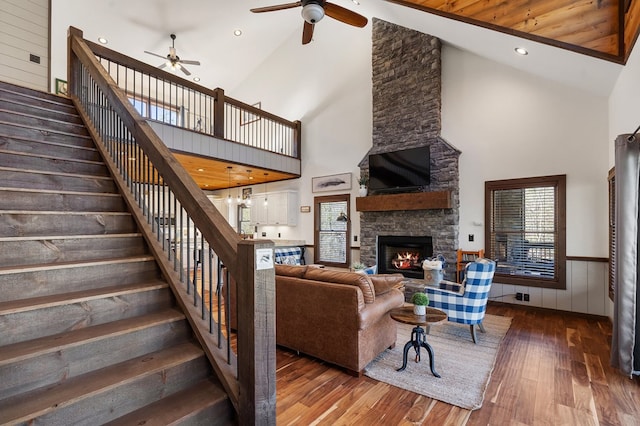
(399, 171)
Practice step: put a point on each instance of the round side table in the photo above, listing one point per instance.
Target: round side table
(418, 336)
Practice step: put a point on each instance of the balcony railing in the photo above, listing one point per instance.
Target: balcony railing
(161, 96)
(196, 249)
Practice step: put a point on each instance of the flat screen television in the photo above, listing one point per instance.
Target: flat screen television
(399, 171)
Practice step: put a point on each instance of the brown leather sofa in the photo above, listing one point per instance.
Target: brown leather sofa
(339, 317)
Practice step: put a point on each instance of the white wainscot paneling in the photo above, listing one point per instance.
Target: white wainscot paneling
(586, 292)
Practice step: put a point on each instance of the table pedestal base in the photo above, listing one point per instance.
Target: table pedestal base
(418, 340)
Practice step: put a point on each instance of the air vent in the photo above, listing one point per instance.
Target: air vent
(34, 58)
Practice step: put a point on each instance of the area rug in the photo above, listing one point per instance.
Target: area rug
(465, 367)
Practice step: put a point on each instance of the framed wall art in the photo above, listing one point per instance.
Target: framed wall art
(341, 182)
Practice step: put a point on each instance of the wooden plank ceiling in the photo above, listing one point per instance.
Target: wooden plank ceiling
(605, 29)
(212, 174)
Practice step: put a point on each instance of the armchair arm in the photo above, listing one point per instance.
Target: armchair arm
(372, 312)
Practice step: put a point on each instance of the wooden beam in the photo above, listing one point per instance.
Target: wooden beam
(410, 201)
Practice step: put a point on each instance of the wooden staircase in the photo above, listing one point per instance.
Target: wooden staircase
(89, 330)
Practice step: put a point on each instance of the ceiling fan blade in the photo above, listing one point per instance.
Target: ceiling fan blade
(344, 15)
(307, 33)
(162, 65)
(184, 61)
(155, 54)
(277, 7)
(184, 70)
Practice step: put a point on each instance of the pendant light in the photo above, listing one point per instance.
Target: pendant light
(238, 198)
(249, 178)
(229, 185)
(265, 189)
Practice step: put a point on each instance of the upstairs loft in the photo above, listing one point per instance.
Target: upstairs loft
(220, 141)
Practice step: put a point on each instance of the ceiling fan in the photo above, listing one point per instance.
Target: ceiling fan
(173, 60)
(314, 10)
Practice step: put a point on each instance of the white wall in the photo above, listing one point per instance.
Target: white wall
(509, 124)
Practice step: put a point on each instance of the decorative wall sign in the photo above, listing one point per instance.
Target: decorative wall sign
(339, 182)
(61, 87)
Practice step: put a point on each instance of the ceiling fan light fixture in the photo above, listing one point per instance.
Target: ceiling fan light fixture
(312, 13)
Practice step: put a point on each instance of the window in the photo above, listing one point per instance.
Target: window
(525, 230)
(155, 112)
(332, 231)
(244, 220)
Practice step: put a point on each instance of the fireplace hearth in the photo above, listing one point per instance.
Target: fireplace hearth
(403, 254)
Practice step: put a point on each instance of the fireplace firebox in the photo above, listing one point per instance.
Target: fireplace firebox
(403, 254)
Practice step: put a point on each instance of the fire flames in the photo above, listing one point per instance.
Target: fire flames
(406, 260)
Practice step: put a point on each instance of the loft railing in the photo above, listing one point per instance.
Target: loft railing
(196, 249)
(161, 96)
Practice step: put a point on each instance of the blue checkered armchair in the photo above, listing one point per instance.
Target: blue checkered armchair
(469, 304)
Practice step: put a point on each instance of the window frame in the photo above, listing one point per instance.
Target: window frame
(559, 280)
(316, 229)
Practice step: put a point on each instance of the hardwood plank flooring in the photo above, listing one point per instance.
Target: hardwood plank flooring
(552, 369)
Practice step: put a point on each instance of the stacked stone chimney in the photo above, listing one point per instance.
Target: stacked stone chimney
(406, 114)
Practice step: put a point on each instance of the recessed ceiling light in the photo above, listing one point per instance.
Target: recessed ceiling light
(521, 51)
(103, 40)
(201, 170)
(237, 32)
(196, 79)
(355, 2)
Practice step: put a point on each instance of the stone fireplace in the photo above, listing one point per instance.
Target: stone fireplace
(403, 254)
(406, 114)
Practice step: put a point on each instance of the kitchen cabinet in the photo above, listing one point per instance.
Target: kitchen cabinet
(281, 209)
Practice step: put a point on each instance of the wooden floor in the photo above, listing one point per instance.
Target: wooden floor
(552, 369)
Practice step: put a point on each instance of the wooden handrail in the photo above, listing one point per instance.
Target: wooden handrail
(253, 392)
(207, 218)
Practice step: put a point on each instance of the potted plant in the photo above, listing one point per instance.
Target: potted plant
(420, 302)
(362, 181)
(358, 266)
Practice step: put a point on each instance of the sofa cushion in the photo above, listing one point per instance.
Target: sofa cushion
(347, 278)
(383, 283)
(291, 270)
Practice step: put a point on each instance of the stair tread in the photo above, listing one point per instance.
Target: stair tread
(74, 264)
(32, 348)
(47, 119)
(59, 191)
(24, 407)
(65, 213)
(50, 157)
(70, 237)
(21, 102)
(52, 173)
(45, 130)
(37, 95)
(60, 144)
(22, 305)
(175, 407)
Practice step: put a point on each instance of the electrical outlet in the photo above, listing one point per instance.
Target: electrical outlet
(355, 238)
(518, 296)
(471, 237)
(526, 297)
